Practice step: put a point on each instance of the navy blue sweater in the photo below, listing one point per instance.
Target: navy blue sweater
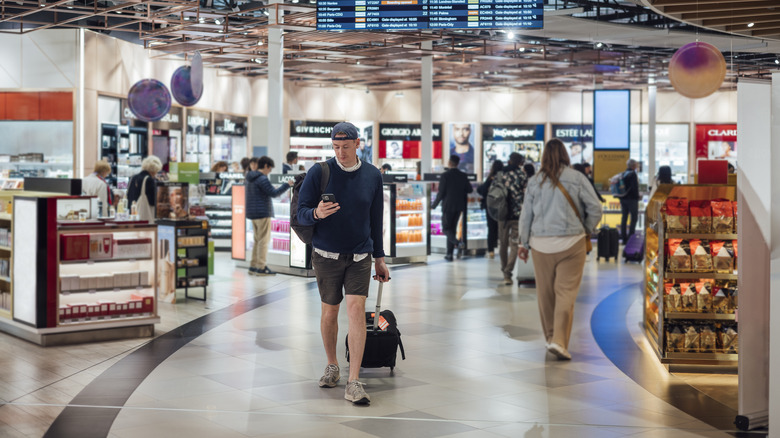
(356, 227)
(259, 192)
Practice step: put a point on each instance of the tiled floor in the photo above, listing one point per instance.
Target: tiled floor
(476, 367)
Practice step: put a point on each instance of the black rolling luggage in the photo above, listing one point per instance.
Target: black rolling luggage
(383, 340)
(608, 243)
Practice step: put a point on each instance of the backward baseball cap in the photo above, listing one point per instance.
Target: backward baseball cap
(345, 131)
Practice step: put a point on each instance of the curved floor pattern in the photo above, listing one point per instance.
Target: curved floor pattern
(476, 368)
(614, 339)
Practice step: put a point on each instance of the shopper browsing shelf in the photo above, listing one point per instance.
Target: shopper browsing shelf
(292, 160)
(347, 233)
(96, 185)
(142, 189)
(260, 209)
(220, 166)
(553, 229)
(492, 238)
(454, 188)
(514, 179)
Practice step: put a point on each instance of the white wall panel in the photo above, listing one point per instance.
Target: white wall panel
(38, 60)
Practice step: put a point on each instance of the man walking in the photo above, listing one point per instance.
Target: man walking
(514, 179)
(260, 210)
(347, 234)
(629, 200)
(454, 187)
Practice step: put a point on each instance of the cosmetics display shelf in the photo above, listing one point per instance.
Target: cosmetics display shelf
(119, 290)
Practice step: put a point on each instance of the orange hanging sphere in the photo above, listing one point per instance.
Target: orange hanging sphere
(697, 70)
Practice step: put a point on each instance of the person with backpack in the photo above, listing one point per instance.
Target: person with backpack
(347, 234)
(513, 178)
(454, 188)
(629, 199)
(260, 210)
(492, 224)
(559, 214)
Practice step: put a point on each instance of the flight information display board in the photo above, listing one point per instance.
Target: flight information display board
(428, 14)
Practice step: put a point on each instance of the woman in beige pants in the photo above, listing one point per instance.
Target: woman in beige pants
(553, 228)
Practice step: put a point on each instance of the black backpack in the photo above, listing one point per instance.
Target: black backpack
(498, 200)
(305, 232)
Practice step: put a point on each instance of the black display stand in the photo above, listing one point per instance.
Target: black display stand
(195, 275)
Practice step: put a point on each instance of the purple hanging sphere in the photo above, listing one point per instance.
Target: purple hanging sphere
(149, 100)
(182, 87)
(697, 70)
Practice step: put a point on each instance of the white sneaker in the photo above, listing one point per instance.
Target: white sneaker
(355, 393)
(558, 351)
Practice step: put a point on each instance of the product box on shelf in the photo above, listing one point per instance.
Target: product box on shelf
(74, 247)
(100, 246)
(139, 248)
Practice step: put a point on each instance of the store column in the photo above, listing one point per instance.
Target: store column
(426, 113)
(651, 161)
(275, 83)
(774, 328)
(756, 188)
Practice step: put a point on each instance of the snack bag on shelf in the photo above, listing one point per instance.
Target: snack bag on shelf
(672, 298)
(722, 256)
(675, 339)
(679, 255)
(734, 207)
(729, 339)
(688, 300)
(722, 216)
(700, 255)
(721, 299)
(701, 216)
(708, 339)
(734, 296)
(736, 254)
(704, 297)
(676, 212)
(692, 339)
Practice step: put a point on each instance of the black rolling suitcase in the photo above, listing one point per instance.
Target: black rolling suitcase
(608, 243)
(383, 340)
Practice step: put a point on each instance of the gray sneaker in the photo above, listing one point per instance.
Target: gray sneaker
(331, 376)
(356, 394)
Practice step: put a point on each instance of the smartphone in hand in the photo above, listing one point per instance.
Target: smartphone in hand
(328, 197)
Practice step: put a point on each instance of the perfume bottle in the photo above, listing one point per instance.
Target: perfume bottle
(111, 211)
(134, 209)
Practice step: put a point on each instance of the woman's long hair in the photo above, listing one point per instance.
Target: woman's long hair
(497, 166)
(665, 175)
(554, 159)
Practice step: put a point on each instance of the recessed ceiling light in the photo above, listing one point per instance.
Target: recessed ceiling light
(510, 35)
(201, 20)
(777, 61)
(260, 43)
(599, 45)
(521, 49)
(751, 24)
(217, 21)
(186, 18)
(487, 72)
(358, 63)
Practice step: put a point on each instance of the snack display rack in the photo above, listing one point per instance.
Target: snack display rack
(187, 243)
(690, 318)
(6, 251)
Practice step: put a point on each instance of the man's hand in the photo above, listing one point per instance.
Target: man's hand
(382, 273)
(291, 182)
(522, 254)
(325, 209)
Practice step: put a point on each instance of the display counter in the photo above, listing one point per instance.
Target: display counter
(406, 229)
(286, 253)
(183, 257)
(472, 232)
(80, 280)
(690, 290)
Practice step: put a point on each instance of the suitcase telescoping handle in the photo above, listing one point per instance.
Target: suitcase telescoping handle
(378, 306)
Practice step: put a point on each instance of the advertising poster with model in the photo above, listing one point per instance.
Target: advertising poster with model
(173, 200)
(717, 142)
(578, 140)
(462, 144)
(498, 141)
